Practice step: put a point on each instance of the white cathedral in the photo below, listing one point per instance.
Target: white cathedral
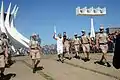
(7, 26)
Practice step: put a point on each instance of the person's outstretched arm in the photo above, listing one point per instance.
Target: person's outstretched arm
(54, 36)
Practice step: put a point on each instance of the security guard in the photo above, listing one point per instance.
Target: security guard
(3, 54)
(71, 41)
(66, 47)
(5, 39)
(86, 41)
(101, 42)
(77, 44)
(116, 57)
(34, 52)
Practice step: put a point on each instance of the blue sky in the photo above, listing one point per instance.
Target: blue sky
(40, 16)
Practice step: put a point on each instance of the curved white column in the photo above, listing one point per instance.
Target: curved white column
(17, 32)
(14, 12)
(16, 40)
(2, 25)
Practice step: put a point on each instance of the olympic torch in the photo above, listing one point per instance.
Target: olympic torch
(55, 29)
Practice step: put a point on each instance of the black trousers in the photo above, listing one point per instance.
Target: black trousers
(116, 57)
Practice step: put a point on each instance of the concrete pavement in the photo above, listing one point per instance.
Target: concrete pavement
(22, 72)
(70, 70)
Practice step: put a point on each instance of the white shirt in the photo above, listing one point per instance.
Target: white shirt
(59, 43)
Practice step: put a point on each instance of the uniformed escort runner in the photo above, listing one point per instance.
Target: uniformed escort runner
(5, 39)
(66, 47)
(101, 42)
(77, 44)
(34, 52)
(3, 54)
(85, 40)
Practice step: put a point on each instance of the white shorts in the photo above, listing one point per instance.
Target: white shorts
(60, 51)
(77, 47)
(35, 54)
(104, 48)
(2, 61)
(86, 47)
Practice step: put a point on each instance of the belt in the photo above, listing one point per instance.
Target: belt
(102, 43)
(34, 48)
(76, 44)
(1, 53)
(85, 43)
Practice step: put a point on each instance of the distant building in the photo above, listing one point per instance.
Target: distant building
(112, 30)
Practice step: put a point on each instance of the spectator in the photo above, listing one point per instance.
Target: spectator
(116, 57)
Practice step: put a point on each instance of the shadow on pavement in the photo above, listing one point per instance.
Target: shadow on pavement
(39, 68)
(100, 63)
(8, 76)
(10, 63)
(77, 57)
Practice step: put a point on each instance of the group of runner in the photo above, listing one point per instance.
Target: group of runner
(84, 41)
(64, 46)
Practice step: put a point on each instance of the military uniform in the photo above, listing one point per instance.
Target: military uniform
(34, 52)
(6, 58)
(102, 40)
(85, 43)
(66, 46)
(72, 49)
(77, 44)
(2, 53)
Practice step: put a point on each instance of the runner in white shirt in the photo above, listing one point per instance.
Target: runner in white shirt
(59, 46)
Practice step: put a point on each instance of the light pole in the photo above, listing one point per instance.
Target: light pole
(91, 12)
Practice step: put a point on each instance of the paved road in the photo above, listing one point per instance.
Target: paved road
(70, 70)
